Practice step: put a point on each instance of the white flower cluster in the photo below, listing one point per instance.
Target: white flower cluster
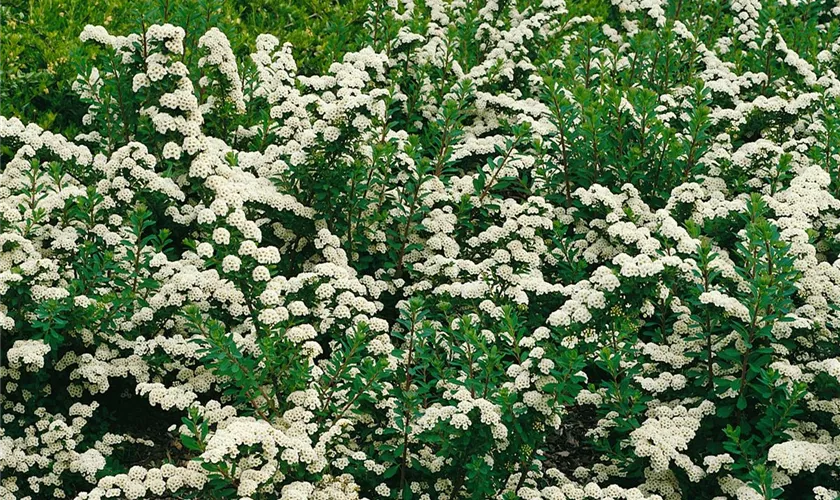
(797, 456)
(663, 382)
(29, 353)
(731, 305)
(220, 56)
(140, 482)
(166, 397)
(666, 433)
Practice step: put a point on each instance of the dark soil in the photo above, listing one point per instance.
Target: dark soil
(568, 448)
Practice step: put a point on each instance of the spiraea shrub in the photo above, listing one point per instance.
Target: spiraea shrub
(402, 277)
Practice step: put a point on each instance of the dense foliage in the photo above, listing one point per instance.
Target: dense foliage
(400, 277)
(40, 49)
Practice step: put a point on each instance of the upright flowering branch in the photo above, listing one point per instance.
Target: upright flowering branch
(412, 195)
(497, 165)
(451, 125)
(563, 118)
(708, 323)
(413, 315)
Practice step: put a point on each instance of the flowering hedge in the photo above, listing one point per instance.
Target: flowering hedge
(41, 50)
(400, 278)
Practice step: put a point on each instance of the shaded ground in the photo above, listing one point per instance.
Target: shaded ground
(567, 448)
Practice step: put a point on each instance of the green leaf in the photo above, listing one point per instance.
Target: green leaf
(724, 411)
(190, 442)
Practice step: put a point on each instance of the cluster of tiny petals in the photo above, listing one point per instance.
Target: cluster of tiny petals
(28, 353)
(798, 456)
(666, 433)
(166, 397)
(731, 305)
(220, 55)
